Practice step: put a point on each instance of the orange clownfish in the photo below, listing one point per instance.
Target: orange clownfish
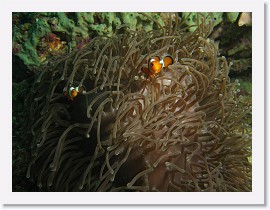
(155, 65)
(72, 91)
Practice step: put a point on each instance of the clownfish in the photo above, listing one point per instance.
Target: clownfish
(71, 92)
(155, 65)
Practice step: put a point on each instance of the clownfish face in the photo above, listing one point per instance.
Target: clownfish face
(155, 65)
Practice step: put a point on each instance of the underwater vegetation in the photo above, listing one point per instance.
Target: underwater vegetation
(99, 122)
(39, 36)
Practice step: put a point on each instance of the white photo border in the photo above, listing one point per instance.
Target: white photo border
(257, 196)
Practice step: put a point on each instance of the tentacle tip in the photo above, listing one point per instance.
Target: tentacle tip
(28, 175)
(129, 185)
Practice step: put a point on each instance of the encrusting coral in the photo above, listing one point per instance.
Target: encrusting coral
(71, 30)
(184, 130)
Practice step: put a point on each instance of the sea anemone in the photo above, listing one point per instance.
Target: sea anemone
(184, 130)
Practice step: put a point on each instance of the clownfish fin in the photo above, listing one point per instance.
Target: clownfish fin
(157, 58)
(80, 89)
(65, 90)
(145, 70)
(167, 61)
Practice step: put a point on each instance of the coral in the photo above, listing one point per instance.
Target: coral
(71, 28)
(28, 37)
(184, 130)
(192, 19)
(50, 45)
(232, 16)
(235, 43)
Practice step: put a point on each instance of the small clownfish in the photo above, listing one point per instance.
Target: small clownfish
(72, 91)
(155, 65)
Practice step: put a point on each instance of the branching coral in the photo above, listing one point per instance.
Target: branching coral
(184, 130)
